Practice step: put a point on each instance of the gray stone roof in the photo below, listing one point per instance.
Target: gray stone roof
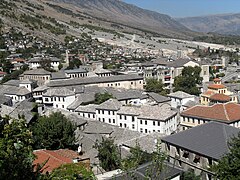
(4, 99)
(147, 142)
(178, 63)
(72, 71)
(91, 108)
(26, 81)
(94, 80)
(58, 75)
(82, 98)
(180, 95)
(41, 88)
(210, 139)
(158, 98)
(96, 127)
(37, 72)
(22, 91)
(111, 104)
(59, 92)
(12, 82)
(161, 113)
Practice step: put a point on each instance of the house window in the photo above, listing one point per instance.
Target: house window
(141, 130)
(99, 119)
(153, 123)
(133, 126)
(131, 83)
(110, 121)
(145, 122)
(196, 159)
(185, 154)
(145, 130)
(120, 116)
(120, 124)
(63, 99)
(102, 111)
(88, 115)
(94, 116)
(62, 106)
(141, 122)
(125, 125)
(59, 99)
(109, 112)
(99, 112)
(113, 120)
(158, 123)
(46, 99)
(133, 119)
(113, 113)
(125, 117)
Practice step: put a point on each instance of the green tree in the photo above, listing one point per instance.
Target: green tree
(188, 80)
(16, 153)
(72, 171)
(154, 85)
(189, 175)
(102, 97)
(108, 154)
(53, 132)
(228, 166)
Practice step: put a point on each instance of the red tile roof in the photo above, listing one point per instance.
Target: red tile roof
(1, 72)
(208, 93)
(228, 112)
(216, 86)
(55, 158)
(217, 79)
(220, 97)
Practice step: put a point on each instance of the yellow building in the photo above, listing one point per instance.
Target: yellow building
(217, 93)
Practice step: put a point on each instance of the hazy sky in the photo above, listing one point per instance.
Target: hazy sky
(185, 8)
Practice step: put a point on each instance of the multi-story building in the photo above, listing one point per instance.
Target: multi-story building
(227, 113)
(144, 119)
(37, 62)
(200, 147)
(217, 93)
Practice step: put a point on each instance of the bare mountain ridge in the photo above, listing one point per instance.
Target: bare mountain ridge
(223, 24)
(131, 15)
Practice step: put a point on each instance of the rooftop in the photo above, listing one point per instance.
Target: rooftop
(180, 95)
(59, 92)
(216, 86)
(94, 80)
(37, 72)
(111, 104)
(220, 97)
(158, 98)
(210, 139)
(228, 112)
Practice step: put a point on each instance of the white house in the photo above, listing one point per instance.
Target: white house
(58, 98)
(179, 98)
(36, 62)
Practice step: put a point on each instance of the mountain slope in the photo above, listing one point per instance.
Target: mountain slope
(127, 14)
(223, 24)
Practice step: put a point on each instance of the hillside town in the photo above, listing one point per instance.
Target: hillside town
(135, 108)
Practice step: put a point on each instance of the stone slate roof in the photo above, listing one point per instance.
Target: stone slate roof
(111, 104)
(72, 71)
(210, 139)
(158, 98)
(178, 63)
(82, 98)
(180, 95)
(170, 171)
(161, 113)
(12, 82)
(4, 99)
(58, 75)
(40, 88)
(96, 127)
(22, 91)
(91, 108)
(59, 92)
(37, 72)
(94, 80)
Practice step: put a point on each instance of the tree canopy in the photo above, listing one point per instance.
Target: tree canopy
(229, 165)
(53, 132)
(16, 153)
(72, 171)
(108, 154)
(154, 85)
(188, 80)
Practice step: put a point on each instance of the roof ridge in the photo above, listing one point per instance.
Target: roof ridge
(225, 112)
(46, 152)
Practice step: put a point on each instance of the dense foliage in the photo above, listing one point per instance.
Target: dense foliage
(188, 80)
(229, 166)
(16, 153)
(102, 97)
(154, 85)
(72, 171)
(53, 132)
(108, 154)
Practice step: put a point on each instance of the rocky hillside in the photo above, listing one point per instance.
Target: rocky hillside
(222, 24)
(119, 12)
